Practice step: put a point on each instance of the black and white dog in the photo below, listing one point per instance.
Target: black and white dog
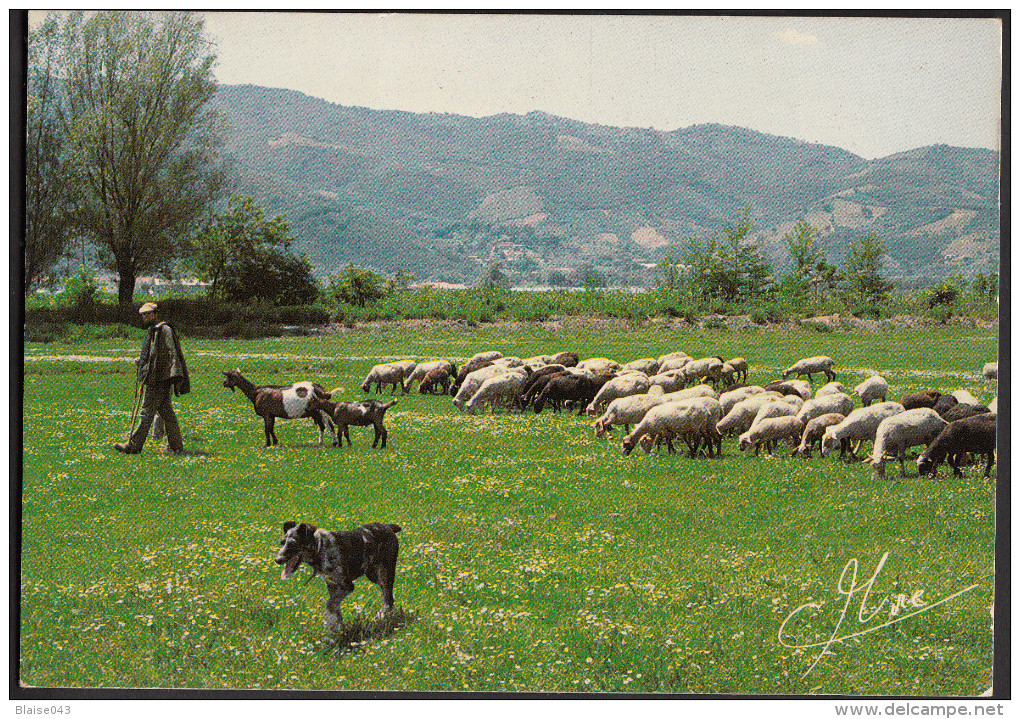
(340, 558)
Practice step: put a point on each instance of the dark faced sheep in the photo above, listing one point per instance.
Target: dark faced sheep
(579, 389)
(973, 434)
(926, 398)
(467, 369)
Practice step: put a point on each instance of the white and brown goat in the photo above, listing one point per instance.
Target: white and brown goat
(283, 402)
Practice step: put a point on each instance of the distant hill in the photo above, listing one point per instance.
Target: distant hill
(444, 196)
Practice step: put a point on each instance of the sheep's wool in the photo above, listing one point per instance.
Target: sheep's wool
(296, 397)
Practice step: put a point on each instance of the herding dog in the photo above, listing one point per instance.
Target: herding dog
(340, 558)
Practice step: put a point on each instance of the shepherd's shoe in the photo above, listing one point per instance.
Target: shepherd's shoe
(124, 448)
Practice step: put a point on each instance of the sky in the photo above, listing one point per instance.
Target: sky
(873, 86)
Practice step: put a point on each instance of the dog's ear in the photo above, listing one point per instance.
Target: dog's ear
(306, 532)
(289, 525)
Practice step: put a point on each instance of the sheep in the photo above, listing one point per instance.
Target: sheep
(577, 388)
(622, 386)
(814, 430)
(283, 401)
(962, 411)
(424, 368)
(626, 411)
(770, 431)
(673, 355)
(489, 356)
(466, 369)
(510, 362)
(990, 372)
(900, 432)
(800, 387)
(811, 366)
(698, 390)
(738, 420)
(538, 361)
(540, 372)
(438, 377)
(927, 398)
(831, 388)
(647, 365)
(667, 421)
(770, 410)
(974, 434)
(567, 359)
(860, 426)
(673, 363)
(537, 380)
(739, 365)
(501, 390)
(945, 403)
(599, 364)
(705, 369)
(381, 374)
(729, 398)
(794, 400)
(826, 404)
(670, 381)
(964, 397)
(473, 381)
(360, 414)
(871, 389)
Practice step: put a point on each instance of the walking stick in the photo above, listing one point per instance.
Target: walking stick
(136, 406)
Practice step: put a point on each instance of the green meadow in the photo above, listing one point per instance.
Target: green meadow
(534, 557)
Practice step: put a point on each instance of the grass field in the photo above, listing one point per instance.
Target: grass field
(534, 557)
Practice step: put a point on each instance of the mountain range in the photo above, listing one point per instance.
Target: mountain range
(555, 201)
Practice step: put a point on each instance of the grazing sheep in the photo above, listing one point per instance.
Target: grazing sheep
(871, 389)
(673, 355)
(964, 397)
(831, 388)
(538, 361)
(770, 432)
(730, 398)
(800, 387)
(927, 398)
(945, 403)
(473, 381)
(541, 372)
(424, 368)
(501, 390)
(671, 381)
(599, 364)
(897, 434)
(698, 390)
(623, 386)
(577, 388)
(739, 365)
(739, 419)
(567, 359)
(962, 411)
(705, 369)
(668, 421)
(814, 430)
(438, 378)
(860, 426)
(510, 362)
(647, 365)
(770, 410)
(388, 373)
(626, 411)
(811, 366)
(673, 363)
(490, 356)
(842, 403)
(974, 434)
(466, 369)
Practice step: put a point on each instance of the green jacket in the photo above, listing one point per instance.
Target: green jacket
(163, 360)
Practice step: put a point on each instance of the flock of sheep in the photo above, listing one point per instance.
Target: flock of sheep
(701, 401)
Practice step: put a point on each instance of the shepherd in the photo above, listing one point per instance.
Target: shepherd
(164, 374)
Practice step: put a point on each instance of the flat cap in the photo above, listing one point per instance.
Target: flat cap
(147, 307)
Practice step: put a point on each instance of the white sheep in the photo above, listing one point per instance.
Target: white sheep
(490, 356)
(501, 390)
(729, 399)
(871, 389)
(599, 364)
(814, 430)
(510, 362)
(831, 388)
(738, 420)
(670, 381)
(388, 373)
(965, 397)
(770, 410)
(473, 381)
(770, 432)
(688, 420)
(648, 365)
(673, 363)
(707, 368)
(739, 365)
(673, 355)
(811, 366)
(897, 434)
(842, 403)
(698, 390)
(539, 361)
(623, 386)
(419, 371)
(859, 426)
(626, 411)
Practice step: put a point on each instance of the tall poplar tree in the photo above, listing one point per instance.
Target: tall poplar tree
(144, 142)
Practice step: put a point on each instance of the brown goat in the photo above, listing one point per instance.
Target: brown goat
(360, 414)
(283, 401)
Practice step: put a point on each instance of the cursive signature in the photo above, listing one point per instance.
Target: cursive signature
(893, 608)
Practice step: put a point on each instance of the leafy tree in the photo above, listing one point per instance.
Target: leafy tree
(49, 191)
(136, 88)
(862, 271)
(731, 268)
(227, 238)
(985, 287)
(669, 274)
(493, 278)
(810, 269)
(273, 275)
(357, 286)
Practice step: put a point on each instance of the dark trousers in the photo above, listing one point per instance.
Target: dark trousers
(158, 401)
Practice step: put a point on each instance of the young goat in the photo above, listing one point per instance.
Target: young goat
(360, 414)
(283, 401)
